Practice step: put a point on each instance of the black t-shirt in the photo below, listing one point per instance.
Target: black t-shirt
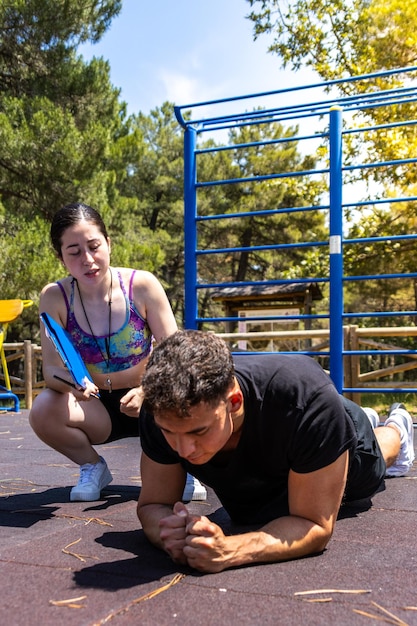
(294, 419)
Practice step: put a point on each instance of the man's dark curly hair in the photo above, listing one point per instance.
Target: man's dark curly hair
(187, 368)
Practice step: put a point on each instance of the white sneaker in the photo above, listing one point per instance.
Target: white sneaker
(399, 416)
(93, 478)
(372, 416)
(194, 490)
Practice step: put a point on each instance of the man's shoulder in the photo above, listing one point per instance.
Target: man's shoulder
(280, 371)
(273, 360)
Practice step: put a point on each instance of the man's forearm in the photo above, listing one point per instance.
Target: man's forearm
(209, 550)
(283, 539)
(149, 516)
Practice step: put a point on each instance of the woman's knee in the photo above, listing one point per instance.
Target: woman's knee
(48, 404)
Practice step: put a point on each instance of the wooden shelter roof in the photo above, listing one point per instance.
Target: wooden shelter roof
(295, 292)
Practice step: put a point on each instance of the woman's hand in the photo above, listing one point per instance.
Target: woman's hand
(89, 391)
(81, 394)
(131, 402)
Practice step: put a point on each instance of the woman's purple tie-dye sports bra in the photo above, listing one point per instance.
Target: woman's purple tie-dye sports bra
(128, 346)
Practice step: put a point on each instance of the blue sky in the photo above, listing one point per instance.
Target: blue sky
(187, 51)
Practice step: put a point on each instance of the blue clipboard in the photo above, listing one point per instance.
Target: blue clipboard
(70, 356)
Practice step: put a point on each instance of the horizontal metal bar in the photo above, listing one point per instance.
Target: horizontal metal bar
(298, 209)
(321, 85)
(272, 246)
(255, 179)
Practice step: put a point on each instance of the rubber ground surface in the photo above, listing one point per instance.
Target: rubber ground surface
(77, 564)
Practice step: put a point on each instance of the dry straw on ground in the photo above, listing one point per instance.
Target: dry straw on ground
(147, 596)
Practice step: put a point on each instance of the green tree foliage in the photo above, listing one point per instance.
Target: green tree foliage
(339, 38)
(259, 151)
(27, 263)
(62, 129)
(153, 182)
(66, 136)
(384, 257)
(39, 37)
(347, 38)
(59, 117)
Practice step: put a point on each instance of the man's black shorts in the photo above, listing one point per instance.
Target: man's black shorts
(367, 468)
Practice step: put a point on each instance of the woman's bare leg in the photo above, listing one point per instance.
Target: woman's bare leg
(69, 426)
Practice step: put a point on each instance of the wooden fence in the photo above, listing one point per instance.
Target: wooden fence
(29, 381)
(359, 370)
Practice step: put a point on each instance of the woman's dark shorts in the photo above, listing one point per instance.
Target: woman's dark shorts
(367, 468)
(122, 425)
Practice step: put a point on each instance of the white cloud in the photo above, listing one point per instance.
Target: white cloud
(185, 89)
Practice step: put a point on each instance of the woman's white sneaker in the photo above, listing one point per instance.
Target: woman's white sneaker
(93, 478)
(194, 490)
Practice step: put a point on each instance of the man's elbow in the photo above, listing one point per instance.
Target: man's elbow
(150, 515)
(321, 538)
(148, 524)
(138, 511)
(143, 511)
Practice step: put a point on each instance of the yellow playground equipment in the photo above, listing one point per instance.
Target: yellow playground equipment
(9, 311)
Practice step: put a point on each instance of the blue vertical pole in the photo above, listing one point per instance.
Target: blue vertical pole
(190, 229)
(335, 246)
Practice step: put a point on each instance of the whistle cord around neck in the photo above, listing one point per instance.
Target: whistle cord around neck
(106, 357)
